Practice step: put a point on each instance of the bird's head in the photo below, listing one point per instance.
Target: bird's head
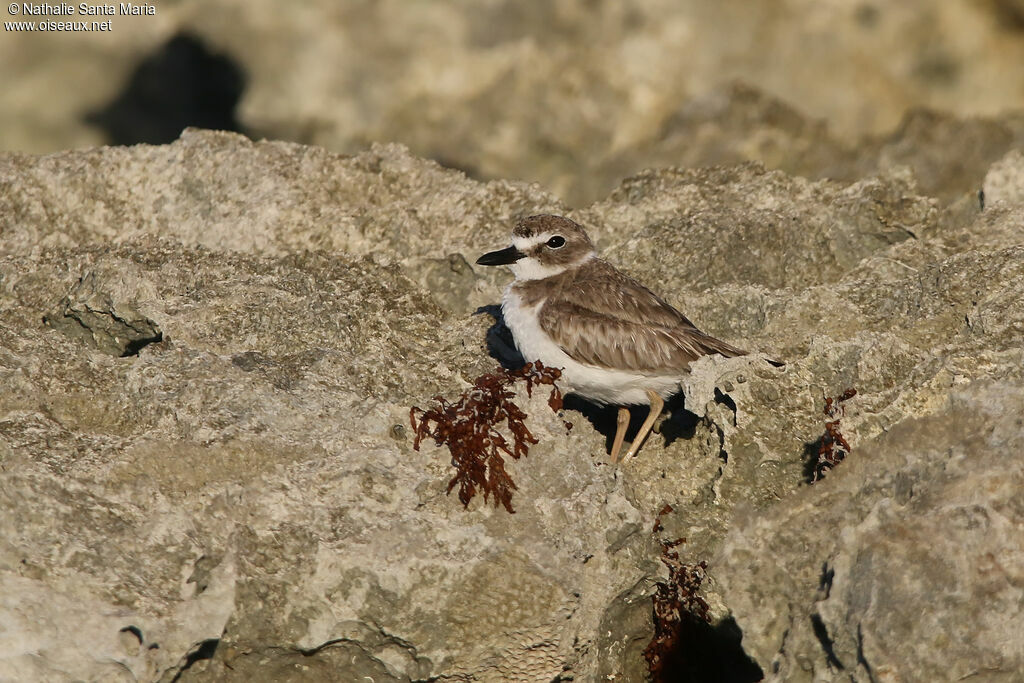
(542, 246)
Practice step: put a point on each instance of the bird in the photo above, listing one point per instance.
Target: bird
(615, 341)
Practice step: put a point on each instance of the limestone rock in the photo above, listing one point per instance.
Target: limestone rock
(1004, 183)
(904, 564)
(241, 498)
(92, 316)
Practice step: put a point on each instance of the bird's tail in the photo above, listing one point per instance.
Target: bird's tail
(709, 345)
(712, 345)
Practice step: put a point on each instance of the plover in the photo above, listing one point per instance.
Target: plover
(617, 342)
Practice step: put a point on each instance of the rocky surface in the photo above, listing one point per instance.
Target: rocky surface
(209, 351)
(574, 94)
(907, 560)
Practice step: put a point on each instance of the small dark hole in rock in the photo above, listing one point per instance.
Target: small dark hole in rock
(133, 347)
(725, 400)
(134, 630)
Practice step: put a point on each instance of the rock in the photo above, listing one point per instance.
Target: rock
(911, 548)
(92, 316)
(232, 464)
(575, 95)
(949, 156)
(1004, 183)
(726, 210)
(243, 497)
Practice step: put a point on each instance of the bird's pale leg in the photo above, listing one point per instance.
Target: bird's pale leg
(620, 433)
(656, 405)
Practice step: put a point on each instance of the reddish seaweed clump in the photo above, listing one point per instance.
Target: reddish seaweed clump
(832, 446)
(469, 427)
(678, 611)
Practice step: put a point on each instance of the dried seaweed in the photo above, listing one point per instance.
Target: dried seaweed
(832, 447)
(678, 610)
(469, 427)
(658, 526)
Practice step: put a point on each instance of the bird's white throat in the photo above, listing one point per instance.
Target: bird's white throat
(533, 268)
(529, 268)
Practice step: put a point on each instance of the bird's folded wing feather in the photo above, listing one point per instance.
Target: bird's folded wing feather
(605, 290)
(597, 338)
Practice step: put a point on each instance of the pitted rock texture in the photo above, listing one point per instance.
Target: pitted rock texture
(241, 499)
(91, 316)
(913, 547)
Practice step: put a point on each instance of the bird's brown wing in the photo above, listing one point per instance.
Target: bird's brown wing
(602, 317)
(605, 290)
(597, 338)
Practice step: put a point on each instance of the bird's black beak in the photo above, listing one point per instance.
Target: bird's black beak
(502, 257)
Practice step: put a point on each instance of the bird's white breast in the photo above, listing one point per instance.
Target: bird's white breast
(602, 385)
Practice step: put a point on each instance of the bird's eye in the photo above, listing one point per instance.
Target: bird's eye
(556, 242)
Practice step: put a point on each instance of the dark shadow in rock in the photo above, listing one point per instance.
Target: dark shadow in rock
(182, 84)
(500, 344)
(812, 450)
(680, 423)
(133, 346)
(711, 653)
(827, 646)
(135, 631)
(203, 650)
(726, 400)
(604, 419)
